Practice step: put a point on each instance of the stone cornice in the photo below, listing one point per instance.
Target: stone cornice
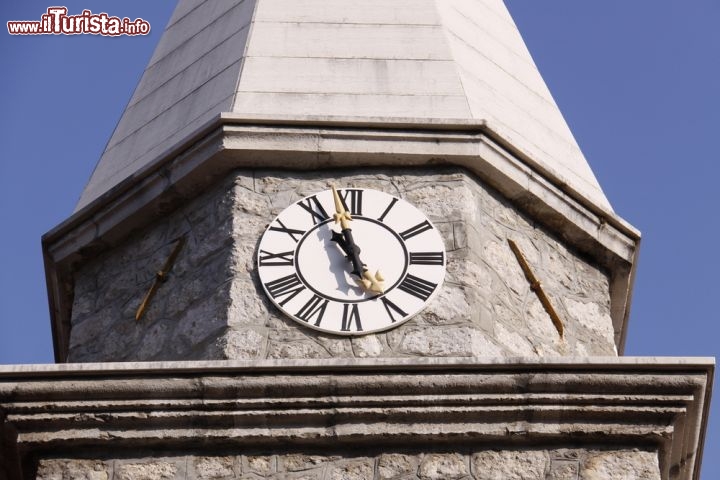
(662, 403)
(231, 142)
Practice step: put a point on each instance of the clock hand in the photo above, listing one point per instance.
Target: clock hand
(352, 252)
(345, 240)
(536, 287)
(351, 249)
(160, 277)
(370, 282)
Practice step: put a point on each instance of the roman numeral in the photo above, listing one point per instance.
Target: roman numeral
(287, 287)
(350, 314)
(269, 259)
(387, 210)
(290, 231)
(315, 306)
(416, 230)
(417, 287)
(427, 258)
(390, 307)
(355, 206)
(315, 209)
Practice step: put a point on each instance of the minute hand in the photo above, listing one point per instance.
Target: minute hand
(347, 243)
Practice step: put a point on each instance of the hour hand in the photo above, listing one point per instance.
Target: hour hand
(365, 279)
(340, 240)
(352, 251)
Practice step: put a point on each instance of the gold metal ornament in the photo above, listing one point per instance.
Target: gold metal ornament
(341, 215)
(536, 287)
(373, 283)
(160, 277)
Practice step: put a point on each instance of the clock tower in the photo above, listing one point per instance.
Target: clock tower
(341, 239)
(247, 110)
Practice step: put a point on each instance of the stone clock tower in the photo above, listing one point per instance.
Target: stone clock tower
(455, 309)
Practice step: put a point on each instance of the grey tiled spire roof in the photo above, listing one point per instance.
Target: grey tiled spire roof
(414, 59)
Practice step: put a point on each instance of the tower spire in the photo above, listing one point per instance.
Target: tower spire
(420, 60)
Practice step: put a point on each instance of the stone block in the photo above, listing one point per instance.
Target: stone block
(356, 469)
(510, 465)
(300, 462)
(260, 465)
(436, 466)
(371, 12)
(620, 465)
(58, 469)
(367, 346)
(216, 468)
(296, 350)
(243, 344)
(564, 470)
(329, 40)
(403, 106)
(395, 466)
(434, 341)
(350, 76)
(152, 469)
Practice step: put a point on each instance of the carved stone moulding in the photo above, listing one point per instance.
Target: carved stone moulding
(105, 409)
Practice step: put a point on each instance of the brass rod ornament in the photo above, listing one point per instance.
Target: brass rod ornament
(160, 277)
(536, 287)
(341, 215)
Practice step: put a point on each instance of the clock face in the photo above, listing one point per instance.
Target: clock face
(313, 267)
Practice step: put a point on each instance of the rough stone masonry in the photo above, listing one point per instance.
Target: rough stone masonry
(212, 306)
(553, 464)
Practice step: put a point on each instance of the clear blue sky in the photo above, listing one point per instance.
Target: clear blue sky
(638, 81)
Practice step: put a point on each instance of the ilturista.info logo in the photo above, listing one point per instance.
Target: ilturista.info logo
(56, 21)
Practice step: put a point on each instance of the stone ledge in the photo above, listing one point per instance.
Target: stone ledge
(334, 365)
(661, 403)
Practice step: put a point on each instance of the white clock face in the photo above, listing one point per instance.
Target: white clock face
(306, 269)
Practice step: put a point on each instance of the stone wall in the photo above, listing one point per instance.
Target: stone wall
(555, 464)
(599, 419)
(212, 306)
